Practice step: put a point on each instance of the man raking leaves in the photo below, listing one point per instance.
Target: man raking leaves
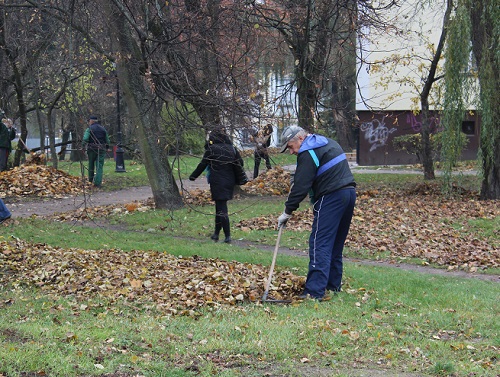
(323, 173)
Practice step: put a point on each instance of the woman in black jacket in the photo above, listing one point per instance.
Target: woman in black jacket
(225, 168)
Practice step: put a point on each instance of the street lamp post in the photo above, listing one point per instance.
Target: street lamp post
(120, 162)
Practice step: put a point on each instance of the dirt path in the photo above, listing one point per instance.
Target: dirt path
(44, 207)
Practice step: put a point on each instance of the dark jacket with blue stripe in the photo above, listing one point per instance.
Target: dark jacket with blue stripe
(323, 171)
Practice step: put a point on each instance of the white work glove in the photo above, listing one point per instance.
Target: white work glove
(282, 220)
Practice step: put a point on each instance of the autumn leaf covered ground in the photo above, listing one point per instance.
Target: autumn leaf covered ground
(107, 287)
(416, 222)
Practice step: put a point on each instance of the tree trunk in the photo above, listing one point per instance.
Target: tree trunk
(143, 111)
(52, 138)
(425, 132)
(22, 115)
(307, 97)
(306, 72)
(484, 20)
(41, 125)
(426, 147)
(490, 187)
(17, 78)
(343, 79)
(77, 131)
(343, 112)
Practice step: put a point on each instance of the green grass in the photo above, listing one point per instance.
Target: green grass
(387, 319)
(487, 228)
(135, 175)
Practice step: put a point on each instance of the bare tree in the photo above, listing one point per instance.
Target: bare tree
(307, 27)
(143, 106)
(22, 42)
(426, 147)
(193, 52)
(475, 24)
(321, 37)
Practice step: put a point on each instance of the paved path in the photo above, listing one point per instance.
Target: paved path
(398, 170)
(70, 203)
(101, 198)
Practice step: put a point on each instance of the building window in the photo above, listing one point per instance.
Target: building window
(469, 127)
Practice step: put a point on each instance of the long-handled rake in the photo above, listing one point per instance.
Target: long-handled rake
(268, 283)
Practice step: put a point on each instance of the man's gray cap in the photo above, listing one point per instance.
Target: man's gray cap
(287, 135)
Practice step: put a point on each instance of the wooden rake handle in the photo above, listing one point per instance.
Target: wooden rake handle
(271, 270)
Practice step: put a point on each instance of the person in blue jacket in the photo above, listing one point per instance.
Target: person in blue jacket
(323, 173)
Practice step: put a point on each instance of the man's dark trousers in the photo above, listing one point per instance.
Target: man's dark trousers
(332, 219)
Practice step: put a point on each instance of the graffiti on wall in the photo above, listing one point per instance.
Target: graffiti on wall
(416, 123)
(376, 133)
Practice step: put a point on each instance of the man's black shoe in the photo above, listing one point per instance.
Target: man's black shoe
(4, 219)
(306, 296)
(334, 290)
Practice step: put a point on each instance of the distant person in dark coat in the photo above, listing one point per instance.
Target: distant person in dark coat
(262, 140)
(96, 139)
(224, 163)
(7, 134)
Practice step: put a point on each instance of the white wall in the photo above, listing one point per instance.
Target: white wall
(417, 29)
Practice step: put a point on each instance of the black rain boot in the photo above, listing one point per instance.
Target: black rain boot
(226, 228)
(218, 227)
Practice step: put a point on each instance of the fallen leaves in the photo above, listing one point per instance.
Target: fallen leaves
(176, 285)
(90, 213)
(425, 226)
(197, 197)
(39, 180)
(44, 181)
(422, 225)
(274, 181)
(414, 223)
(300, 221)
